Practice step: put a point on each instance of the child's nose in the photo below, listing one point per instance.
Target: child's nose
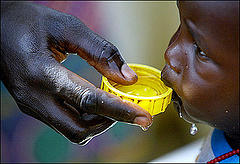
(174, 58)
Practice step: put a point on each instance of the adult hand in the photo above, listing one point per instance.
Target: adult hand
(34, 41)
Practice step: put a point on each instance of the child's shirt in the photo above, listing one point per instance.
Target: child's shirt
(214, 146)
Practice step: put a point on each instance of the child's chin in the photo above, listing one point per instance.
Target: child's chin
(179, 106)
(188, 118)
(182, 113)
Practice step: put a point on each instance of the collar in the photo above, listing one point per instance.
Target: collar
(220, 146)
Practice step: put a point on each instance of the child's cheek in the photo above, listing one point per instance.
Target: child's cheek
(208, 71)
(200, 84)
(189, 91)
(196, 97)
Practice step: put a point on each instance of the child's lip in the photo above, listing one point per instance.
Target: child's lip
(164, 76)
(177, 102)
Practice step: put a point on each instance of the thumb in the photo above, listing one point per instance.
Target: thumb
(102, 103)
(97, 51)
(85, 97)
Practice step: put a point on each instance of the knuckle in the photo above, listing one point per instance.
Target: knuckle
(88, 101)
(102, 49)
(110, 48)
(78, 95)
(115, 49)
(108, 52)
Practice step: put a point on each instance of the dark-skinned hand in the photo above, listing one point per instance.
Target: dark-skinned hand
(34, 41)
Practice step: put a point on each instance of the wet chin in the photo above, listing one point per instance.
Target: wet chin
(180, 108)
(183, 114)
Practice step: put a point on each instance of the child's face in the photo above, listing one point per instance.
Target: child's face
(202, 64)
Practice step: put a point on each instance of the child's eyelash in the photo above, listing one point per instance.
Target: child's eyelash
(199, 52)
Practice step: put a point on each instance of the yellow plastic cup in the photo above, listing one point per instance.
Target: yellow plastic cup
(149, 91)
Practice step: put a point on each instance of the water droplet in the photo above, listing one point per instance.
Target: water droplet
(180, 114)
(179, 111)
(193, 129)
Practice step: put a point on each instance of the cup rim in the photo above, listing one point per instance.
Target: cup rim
(165, 94)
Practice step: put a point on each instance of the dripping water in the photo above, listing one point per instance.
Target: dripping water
(193, 129)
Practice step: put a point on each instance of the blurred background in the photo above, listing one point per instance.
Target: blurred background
(141, 31)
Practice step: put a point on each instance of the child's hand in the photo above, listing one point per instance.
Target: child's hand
(34, 41)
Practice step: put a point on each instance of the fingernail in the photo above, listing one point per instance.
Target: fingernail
(128, 73)
(142, 121)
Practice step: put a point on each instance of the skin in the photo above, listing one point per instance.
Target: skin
(202, 65)
(34, 41)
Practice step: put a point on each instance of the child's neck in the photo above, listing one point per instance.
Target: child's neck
(233, 140)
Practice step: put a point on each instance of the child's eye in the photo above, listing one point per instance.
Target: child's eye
(200, 53)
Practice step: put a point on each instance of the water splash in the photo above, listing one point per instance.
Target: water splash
(193, 129)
